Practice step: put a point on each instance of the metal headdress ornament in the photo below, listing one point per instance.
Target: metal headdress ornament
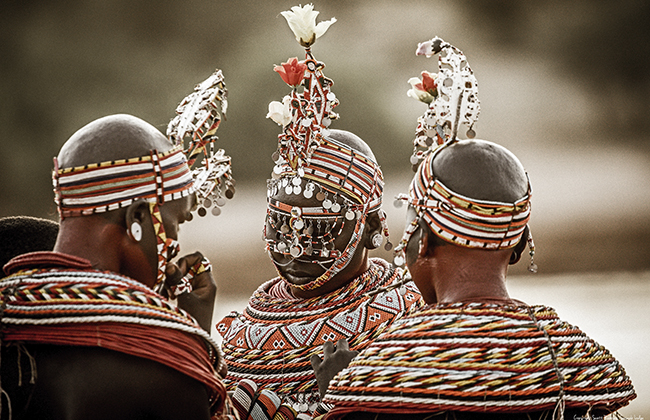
(310, 162)
(463, 221)
(304, 115)
(452, 95)
(198, 117)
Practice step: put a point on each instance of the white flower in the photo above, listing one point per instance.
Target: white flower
(418, 94)
(280, 111)
(302, 21)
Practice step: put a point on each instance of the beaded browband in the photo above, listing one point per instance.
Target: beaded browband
(106, 186)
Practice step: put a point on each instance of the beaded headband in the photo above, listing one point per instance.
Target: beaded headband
(106, 186)
(453, 217)
(310, 162)
(462, 220)
(198, 117)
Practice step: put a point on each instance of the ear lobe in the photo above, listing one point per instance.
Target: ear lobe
(519, 249)
(135, 217)
(423, 244)
(373, 227)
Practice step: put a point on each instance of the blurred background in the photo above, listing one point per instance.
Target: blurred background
(563, 84)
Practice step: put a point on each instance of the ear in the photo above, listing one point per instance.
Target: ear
(519, 249)
(373, 227)
(423, 249)
(138, 212)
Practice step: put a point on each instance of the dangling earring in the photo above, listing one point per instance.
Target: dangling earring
(377, 240)
(136, 231)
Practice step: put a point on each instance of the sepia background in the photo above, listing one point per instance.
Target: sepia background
(565, 85)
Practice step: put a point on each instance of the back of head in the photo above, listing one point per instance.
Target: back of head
(23, 234)
(472, 193)
(481, 170)
(114, 160)
(111, 138)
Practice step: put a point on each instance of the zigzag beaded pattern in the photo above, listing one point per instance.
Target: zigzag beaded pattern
(272, 341)
(46, 297)
(480, 357)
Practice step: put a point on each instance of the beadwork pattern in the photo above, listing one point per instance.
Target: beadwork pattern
(272, 341)
(107, 186)
(481, 357)
(64, 304)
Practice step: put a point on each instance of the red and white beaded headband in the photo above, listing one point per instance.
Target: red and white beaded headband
(106, 186)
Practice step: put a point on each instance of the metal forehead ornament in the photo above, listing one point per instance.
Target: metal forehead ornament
(194, 128)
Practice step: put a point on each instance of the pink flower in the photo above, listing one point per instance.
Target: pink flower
(425, 90)
(292, 72)
(428, 84)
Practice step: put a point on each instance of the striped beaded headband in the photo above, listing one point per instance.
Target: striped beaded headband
(462, 220)
(106, 186)
(335, 169)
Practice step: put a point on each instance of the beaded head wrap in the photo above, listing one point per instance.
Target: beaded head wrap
(310, 162)
(461, 220)
(156, 177)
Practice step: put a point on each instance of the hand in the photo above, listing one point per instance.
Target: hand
(335, 359)
(191, 280)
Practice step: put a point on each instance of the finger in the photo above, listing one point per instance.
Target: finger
(192, 258)
(315, 361)
(244, 397)
(328, 348)
(173, 274)
(342, 344)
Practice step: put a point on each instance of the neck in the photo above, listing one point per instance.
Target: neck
(84, 237)
(462, 274)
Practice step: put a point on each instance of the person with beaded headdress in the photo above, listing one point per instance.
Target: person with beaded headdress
(323, 215)
(473, 352)
(105, 326)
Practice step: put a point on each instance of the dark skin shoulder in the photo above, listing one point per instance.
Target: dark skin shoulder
(77, 383)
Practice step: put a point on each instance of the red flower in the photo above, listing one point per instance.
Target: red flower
(428, 84)
(292, 72)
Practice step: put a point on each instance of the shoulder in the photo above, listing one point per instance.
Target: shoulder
(75, 382)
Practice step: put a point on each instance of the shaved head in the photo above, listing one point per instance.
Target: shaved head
(353, 141)
(481, 170)
(111, 138)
